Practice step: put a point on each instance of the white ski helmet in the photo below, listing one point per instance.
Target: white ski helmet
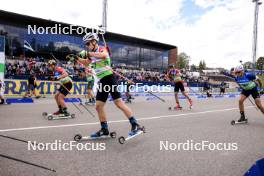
(90, 36)
(239, 68)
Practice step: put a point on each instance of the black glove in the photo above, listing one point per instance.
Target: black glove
(84, 54)
(72, 57)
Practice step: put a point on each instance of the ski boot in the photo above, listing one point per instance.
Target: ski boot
(136, 130)
(100, 133)
(177, 107)
(103, 133)
(93, 101)
(65, 112)
(128, 100)
(58, 112)
(242, 120)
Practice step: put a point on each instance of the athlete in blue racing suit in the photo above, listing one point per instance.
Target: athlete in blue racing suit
(247, 82)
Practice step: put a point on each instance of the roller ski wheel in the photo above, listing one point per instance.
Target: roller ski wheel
(113, 134)
(79, 137)
(233, 122)
(50, 117)
(131, 135)
(72, 116)
(143, 129)
(121, 140)
(44, 114)
(175, 108)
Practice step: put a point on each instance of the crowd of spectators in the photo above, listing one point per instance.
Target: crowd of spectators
(141, 74)
(25, 67)
(38, 66)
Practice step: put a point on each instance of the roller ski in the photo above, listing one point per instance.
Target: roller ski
(177, 107)
(101, 134)
(3, 102)
(128, 100)
(58, 115)
(90, 102)
(135, 131)
(242, 120)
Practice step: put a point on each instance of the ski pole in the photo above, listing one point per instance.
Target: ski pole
(135, 83)
(108, 49)
(248, 97)
(14, 138)
(79, 102)
(26, 162)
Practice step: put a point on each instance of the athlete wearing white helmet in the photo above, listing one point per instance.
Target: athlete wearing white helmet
(239, 68)
(247, 82)
(99, 58)
(91, 39)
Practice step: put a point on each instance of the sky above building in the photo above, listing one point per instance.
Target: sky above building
(217, 31)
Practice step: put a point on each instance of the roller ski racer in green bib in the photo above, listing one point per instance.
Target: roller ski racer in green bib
(65, 87)
(98, 57)
(174, 76)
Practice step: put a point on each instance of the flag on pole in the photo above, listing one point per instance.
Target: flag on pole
(28, 46)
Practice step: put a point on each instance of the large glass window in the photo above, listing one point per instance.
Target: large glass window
(124, 54)
(138, 56)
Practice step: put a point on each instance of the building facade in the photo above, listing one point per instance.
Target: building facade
(125, 50)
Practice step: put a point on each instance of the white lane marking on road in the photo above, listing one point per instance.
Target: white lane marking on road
(119, 121)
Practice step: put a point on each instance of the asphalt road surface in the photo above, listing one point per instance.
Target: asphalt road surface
(155, 153)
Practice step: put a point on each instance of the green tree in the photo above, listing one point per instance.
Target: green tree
(202, 65)
(193, 68)
(260, 63)
(248, 65)
(183, 61)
